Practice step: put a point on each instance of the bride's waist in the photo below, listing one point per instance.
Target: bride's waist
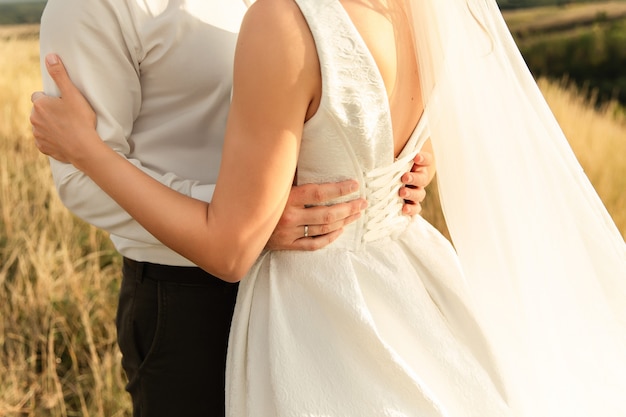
(373, 227)
(383, 216)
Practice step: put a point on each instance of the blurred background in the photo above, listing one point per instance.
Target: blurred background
(59, 276)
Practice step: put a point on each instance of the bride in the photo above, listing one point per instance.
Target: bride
(525, 316)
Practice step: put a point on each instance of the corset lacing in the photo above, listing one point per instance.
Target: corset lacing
(384, 213)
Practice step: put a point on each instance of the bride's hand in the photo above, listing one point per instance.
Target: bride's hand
(63, 126)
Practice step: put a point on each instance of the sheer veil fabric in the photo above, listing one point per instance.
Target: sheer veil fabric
(544, 260)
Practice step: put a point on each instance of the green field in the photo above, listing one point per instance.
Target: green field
(21, 13)
(585, 43)
(524, 4)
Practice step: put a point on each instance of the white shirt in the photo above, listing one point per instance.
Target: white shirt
(159, 75)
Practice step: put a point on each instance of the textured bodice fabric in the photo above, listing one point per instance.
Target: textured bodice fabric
(379, 323)
(350, 136)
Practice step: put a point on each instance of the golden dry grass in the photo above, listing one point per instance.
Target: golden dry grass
(59, 276)
(598, 138)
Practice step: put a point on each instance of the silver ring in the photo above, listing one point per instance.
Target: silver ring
(306, 231)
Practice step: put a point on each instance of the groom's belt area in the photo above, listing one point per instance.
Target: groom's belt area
(188, 275)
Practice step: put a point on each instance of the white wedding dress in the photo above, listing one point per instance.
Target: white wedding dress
(379, 323)
(525, 317)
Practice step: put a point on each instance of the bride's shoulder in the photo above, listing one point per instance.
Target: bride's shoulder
(280, 12)
(278, 28)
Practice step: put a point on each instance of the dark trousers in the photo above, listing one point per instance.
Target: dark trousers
(173, 325)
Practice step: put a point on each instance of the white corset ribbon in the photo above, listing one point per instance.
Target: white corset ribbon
(384, 217)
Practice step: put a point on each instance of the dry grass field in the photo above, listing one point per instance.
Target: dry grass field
(59, 276)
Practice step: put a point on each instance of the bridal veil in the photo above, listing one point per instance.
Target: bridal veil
(544, 260)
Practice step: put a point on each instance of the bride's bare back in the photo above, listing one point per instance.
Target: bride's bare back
(384, 27)
(386, 31)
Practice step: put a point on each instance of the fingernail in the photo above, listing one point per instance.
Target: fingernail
(363, 205)
(52, 59)
(409, 178)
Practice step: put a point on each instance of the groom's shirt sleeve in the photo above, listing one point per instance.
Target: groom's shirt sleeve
(100, 46)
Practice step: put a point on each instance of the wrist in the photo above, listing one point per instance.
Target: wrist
(91, 150)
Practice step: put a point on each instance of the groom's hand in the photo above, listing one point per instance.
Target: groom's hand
(308, 223)
(61, 124)
(415, 182)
